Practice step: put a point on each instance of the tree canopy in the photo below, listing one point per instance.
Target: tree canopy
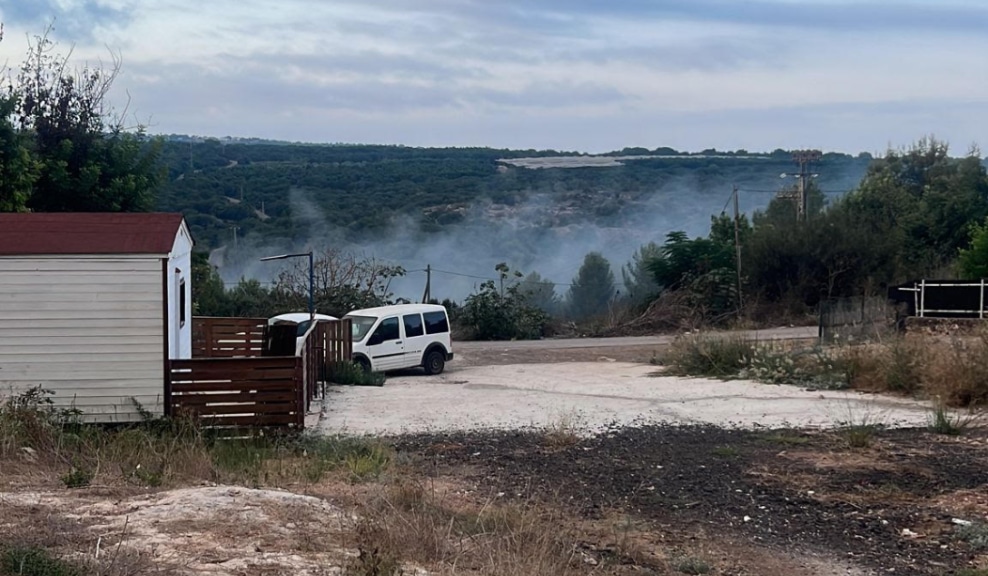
(62, 148)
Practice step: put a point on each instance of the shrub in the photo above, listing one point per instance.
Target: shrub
(35, 561)
(720, 357)
(502, 314)
(353, 374)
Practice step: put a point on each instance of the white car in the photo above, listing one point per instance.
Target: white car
(401, 336)
(301, 319)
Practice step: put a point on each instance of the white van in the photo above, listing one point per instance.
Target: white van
(401, 336)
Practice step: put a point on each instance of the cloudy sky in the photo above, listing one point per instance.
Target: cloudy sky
(589, 75)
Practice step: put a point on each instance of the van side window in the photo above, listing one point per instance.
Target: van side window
(388, 329)
(413, 325)
(436, 322)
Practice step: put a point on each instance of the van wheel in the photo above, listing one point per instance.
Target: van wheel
(435, 362)
(363, 363)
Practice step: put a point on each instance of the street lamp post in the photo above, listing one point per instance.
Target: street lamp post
(312, 276)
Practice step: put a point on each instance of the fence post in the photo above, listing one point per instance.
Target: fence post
(299, 394)
(922, 298)
(168, 388)
(981, 307)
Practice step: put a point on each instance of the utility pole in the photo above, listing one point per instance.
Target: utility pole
(803, 159)
(737, 248)
(427, 295)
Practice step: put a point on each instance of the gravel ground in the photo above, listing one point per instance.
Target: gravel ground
(591, 396)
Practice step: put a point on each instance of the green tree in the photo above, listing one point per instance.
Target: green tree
(18, 169)
(703, 269)
(639, 283)
(539, 292)
(973, 260)
(86, 160)
(209, 297)
(592, 288)
(496, 313)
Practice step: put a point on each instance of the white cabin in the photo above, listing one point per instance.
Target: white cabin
(92, 307)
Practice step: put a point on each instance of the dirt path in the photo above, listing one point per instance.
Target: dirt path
(624, 349)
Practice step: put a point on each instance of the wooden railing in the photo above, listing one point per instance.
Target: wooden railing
(227, 337)
(326, 345)
(238, 392)
(230, 382)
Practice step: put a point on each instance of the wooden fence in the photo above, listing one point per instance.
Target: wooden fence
(230, 381)
(227, 337)
(855, 319)
(238, 392)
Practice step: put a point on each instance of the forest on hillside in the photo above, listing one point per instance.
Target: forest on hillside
(360, 190)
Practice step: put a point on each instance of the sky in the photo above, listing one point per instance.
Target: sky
(585, 75)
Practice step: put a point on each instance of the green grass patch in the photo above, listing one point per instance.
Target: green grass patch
(35, 561)
(725, 451)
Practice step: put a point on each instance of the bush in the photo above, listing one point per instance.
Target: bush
(501, 314)
(717, 356)
(353, 374)
(34, 561)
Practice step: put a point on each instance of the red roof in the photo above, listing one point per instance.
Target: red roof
(87, 233)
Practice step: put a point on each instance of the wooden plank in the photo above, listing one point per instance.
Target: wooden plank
(260, 362)
(183, 387)
(204, 411)
(256, 420)
(234, 373)
(188, 398)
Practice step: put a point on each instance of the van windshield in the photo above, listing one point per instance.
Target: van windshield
(361, 326)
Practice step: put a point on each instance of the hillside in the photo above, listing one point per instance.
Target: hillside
(463, 209)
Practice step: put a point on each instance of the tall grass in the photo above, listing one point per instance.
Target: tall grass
(167, 452)
(716, 356)
(954, 370)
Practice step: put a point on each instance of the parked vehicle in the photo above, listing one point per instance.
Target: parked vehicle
(302, 322)
(402, 336)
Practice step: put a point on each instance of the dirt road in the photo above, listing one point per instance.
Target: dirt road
(627, 349)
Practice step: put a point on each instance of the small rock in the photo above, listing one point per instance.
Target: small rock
(910, 534)
(747, 518)
(960, 522)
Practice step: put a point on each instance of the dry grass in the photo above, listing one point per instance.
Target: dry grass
(953, 370)
(54, 448)
(408, 523)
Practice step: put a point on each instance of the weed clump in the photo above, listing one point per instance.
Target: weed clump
(353, 374)
(719, 357)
